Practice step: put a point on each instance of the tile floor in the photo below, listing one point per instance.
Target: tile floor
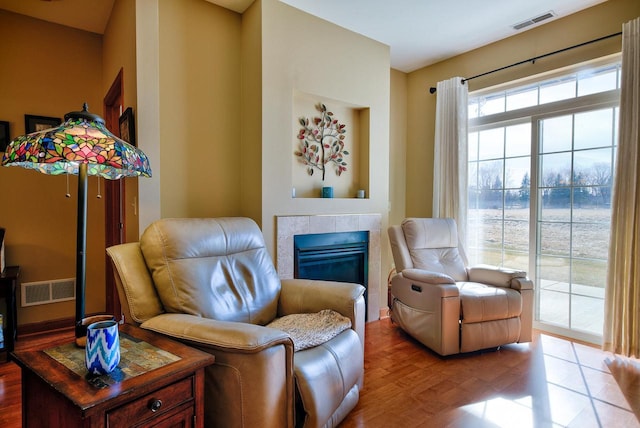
(582, 310)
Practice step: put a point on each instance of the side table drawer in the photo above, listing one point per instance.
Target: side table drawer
(153, 404)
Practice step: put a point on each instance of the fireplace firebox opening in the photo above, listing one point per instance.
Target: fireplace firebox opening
(340, 256)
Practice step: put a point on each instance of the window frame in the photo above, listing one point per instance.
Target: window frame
(533, 115)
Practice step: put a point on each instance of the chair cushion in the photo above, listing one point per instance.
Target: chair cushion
(214, 268)
(433, 246)
(480, 302)
(430, 233)
(309, 330)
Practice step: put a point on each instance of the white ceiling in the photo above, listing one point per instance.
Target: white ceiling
(419, 32)
(423, 32)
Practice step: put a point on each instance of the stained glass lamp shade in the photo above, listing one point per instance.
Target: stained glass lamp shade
(81, 145)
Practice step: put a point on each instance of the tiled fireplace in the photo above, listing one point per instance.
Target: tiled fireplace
(290, 226)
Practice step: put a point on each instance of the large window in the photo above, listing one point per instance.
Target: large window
(541, 162)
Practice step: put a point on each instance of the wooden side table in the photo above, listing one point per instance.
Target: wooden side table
(8, 283)
(159, 383)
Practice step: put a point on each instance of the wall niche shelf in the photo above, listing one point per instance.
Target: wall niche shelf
(357, 142)
(338, 198)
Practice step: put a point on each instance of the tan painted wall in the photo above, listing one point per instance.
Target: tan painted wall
(48, 70)
(601, 20)
(148, 103)
(354, 70)
(398, 142)
(119, 52)
(251, 120)
(199, 76)
(205, 54)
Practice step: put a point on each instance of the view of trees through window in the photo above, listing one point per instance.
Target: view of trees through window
(541, 162)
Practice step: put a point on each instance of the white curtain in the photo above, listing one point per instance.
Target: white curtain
(450, 154)
(622, 297)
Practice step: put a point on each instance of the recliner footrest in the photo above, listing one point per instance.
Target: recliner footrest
(326, 374)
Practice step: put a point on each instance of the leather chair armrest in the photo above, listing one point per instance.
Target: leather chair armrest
(407, 287)
(135, 287)
(427, 276)
(251, 381)
(241, 337)
(493, 275)
(309, 296)
(521, 284)
(429, 312)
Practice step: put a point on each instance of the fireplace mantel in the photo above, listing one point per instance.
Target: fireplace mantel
(289, 226)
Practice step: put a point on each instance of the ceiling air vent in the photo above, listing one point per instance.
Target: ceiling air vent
(534, 20)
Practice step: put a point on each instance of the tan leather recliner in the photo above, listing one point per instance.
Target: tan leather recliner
(447, 306)
(211, 283)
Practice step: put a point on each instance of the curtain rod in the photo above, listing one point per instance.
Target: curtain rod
(432, 89)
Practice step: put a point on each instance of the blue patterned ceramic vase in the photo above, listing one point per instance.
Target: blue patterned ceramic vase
(102, 353)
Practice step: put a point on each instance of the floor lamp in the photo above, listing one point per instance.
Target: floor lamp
(82, 145)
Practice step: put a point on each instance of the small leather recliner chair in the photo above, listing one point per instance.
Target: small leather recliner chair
(447, 306)
(211, 283)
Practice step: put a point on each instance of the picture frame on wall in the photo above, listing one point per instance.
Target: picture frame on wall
(5, 135)
(1, 254)
(127, 127)
(34, 123)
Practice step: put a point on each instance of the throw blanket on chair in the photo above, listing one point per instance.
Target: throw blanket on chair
(309, 330)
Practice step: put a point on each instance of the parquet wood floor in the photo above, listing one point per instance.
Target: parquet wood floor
(551, 382)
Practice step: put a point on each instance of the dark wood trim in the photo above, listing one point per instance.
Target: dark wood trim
(49, 326)
(114, 196)
(114, 97)
(26, 331)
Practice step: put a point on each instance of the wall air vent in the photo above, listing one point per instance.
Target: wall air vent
(534, 20)
(41, 292)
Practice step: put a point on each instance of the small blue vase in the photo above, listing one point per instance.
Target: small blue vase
(102, 352)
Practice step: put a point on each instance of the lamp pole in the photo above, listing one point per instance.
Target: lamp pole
(81, 256)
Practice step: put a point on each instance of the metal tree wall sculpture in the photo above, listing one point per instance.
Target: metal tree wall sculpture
(322, 142)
